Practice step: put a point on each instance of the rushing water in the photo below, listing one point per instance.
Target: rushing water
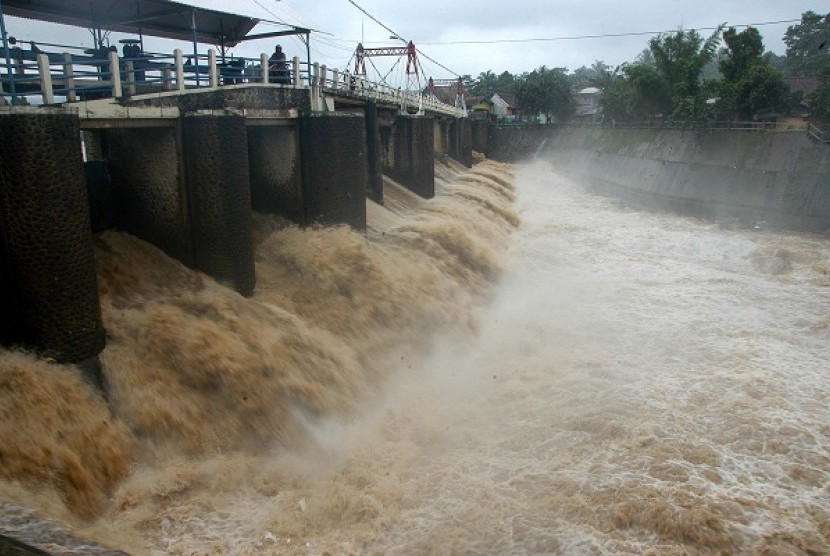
(599, 380)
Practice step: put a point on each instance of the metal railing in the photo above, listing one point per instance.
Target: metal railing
(51, 78)
(815, 132)
(818, 134)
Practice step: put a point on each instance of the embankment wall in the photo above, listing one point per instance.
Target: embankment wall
(780, 178)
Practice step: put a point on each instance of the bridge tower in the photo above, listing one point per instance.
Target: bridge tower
(413, 76)
(434, 85)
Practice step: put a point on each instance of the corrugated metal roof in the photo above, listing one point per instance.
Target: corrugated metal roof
(159, 18)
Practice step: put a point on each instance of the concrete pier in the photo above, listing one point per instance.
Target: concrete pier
(48, 289)
(461, 141)
(219, 193)
(335, 169)
(409, 155)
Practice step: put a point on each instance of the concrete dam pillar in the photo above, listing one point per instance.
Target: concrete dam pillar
(334, 168)
(411, 152)
(480, 135)
(48, 287)
(440, 135)
(373, 153)
(185, 188)
(216, 166)
(461, 141)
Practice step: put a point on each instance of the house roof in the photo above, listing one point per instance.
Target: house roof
(508, 98)
(159, 18)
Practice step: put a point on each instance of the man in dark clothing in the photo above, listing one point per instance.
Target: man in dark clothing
(278, 67)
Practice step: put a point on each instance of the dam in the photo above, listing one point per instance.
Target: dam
(517, 365)
(362, 328)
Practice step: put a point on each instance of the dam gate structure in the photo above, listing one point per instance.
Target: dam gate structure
(183, 169)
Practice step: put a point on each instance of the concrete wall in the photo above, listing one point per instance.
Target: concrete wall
(48, 290)
(334, 168)
(461, 141)
(274, 168)
(511, 144)
(480, 135)
(149, 197)
(782, 178)
(408, 155)
(250, 97)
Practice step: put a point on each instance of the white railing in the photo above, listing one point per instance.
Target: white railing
(65, 78)
(333, 82)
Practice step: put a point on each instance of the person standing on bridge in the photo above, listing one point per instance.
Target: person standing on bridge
(278, 67)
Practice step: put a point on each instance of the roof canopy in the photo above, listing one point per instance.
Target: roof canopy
(158, 18)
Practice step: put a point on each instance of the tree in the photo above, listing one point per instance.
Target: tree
(820, 97)
(546, 91)
(807, 44)
(581, 77)
(750, 83)
(763, 89)
(649, 94)
(597, 75)
(679, 58)
(485, 84)
(506, 83)
(743, 50)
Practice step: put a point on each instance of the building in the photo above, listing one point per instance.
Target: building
(587, 103)
(504, 106)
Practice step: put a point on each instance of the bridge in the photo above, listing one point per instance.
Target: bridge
(179, 150)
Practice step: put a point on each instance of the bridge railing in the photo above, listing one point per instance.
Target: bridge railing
(334, 82)
(36, 77)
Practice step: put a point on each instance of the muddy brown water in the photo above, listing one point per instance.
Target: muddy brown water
(518, 367)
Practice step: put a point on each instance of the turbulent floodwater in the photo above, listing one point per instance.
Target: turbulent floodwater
(599, 380)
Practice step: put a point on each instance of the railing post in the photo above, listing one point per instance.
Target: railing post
(130, 72)
(213, 69)
(166, 78)
(295, 67)
(45, 79)
(335, 79)
(263, 63)
(179, 60)
(115, 75)
(69, 81)
(323, 72)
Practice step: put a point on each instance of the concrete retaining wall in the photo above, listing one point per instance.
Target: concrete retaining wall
(781, 178)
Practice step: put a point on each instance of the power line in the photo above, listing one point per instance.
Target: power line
(373, 18)
(602, 36)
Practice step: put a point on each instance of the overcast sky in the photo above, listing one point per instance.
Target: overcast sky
(461, 36)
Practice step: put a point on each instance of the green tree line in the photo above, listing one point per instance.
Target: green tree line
(684, 76)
